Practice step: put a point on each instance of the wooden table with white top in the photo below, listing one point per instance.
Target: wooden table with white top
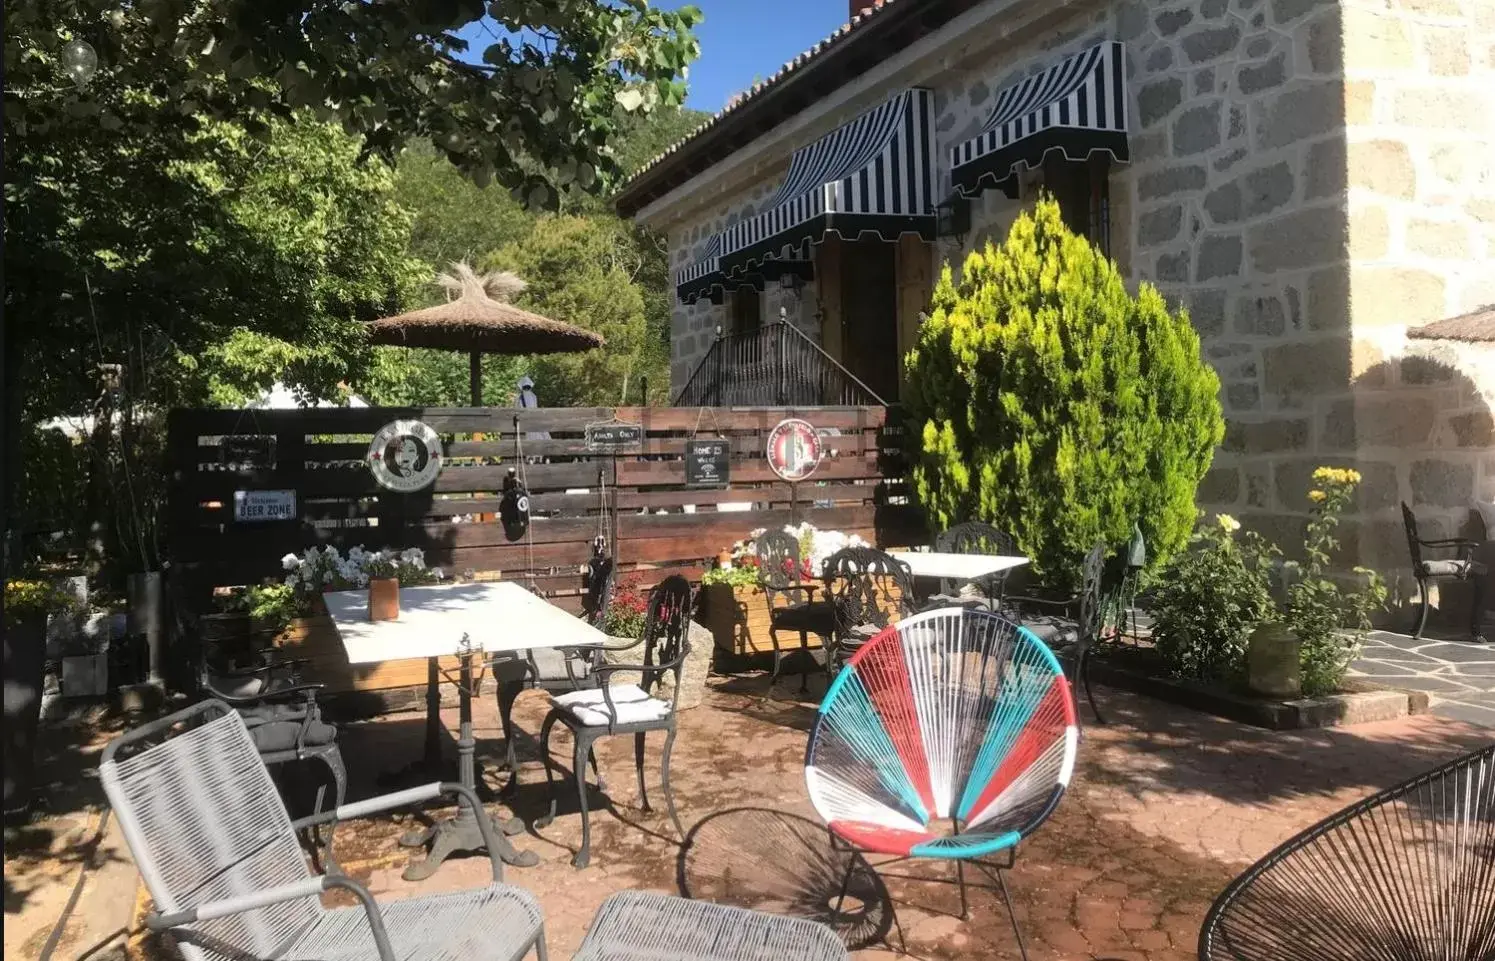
(466, 620)
(957, 567)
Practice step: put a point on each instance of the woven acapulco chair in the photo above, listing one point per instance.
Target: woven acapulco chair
(633, 709)
(219, 856)
(1405, 875)
(637, 926)
(951, 735)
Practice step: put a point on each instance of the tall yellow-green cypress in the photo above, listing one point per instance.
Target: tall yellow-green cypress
(1050, 402)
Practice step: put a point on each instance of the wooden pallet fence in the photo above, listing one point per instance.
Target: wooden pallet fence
(638, 498)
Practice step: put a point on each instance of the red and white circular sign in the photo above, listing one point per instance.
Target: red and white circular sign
(794, 449)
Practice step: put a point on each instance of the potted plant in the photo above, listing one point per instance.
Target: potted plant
(28, 604)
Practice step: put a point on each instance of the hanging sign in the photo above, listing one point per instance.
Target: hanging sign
(708, 462)
(252, 507)
(246, 452)
(794, 449)
(405, 456)
(614, 436)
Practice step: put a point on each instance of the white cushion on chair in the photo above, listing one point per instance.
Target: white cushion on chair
(629, 700)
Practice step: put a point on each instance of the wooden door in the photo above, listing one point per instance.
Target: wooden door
(869, 315)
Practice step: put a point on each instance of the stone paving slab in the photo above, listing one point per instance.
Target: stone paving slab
(1459, 675)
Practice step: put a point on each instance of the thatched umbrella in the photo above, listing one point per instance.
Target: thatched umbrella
(1475, 327)
(480, 320)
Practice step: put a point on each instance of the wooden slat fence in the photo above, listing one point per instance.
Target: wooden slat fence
(658, 526)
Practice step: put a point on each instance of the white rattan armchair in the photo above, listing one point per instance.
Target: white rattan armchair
(219, 856)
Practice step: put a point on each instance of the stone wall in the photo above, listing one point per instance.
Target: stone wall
(693, 327)
(1308, 178)
(1420, 157)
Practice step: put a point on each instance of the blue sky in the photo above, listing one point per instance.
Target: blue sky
(740, 40)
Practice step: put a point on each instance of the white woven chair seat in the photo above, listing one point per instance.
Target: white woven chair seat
(494, 923)
(630, 706)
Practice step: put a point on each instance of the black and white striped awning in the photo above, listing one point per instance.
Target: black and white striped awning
(1077, 106)
(872, 175)
(704, 277)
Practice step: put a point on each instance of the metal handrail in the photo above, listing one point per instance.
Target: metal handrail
(776, 365)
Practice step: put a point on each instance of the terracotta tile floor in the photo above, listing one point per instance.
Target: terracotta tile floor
(1167, 806)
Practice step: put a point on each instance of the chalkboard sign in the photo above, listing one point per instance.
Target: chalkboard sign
(614, 436)
(708, 462)
(246, 452)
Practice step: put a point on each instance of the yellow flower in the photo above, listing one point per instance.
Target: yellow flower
(1336, 476)
(1227, 523)
(1317, 496)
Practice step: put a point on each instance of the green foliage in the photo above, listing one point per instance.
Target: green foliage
(1329, 619)
(1208, 600)
(1050, 402)
(536, 115)
(627, 610)
(581, 270)
(25, 599)
(737, 576)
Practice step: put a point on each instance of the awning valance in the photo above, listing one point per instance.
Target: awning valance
(1077, 106)
(704, 277)
(874, 174)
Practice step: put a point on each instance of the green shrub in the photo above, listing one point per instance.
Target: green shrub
(1050, 402)
(1208, 600)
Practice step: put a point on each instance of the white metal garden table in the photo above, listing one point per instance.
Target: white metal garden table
(466, 621)
(957, 567)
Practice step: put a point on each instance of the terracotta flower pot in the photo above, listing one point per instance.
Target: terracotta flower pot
(384, 599)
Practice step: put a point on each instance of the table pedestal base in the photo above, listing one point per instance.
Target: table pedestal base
(462, 832)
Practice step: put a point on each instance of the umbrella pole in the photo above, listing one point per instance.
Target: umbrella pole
(475, 377)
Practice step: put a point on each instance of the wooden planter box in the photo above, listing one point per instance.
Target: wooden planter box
(737, 618)
(316, 639)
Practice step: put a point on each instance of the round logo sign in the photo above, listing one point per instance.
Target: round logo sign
(794, 449)
(405, 456)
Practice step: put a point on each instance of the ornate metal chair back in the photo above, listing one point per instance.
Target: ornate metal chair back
(1092, 595)
(779, 564)
(867, 586)
(1414, 544)
(666, 630)
(976, 537)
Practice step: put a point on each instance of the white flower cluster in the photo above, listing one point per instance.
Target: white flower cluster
(319, 568)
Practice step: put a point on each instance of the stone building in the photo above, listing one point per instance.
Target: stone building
(1310, 178)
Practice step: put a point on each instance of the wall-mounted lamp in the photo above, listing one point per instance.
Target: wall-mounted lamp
(952, 218)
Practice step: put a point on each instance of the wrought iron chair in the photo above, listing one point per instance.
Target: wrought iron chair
(1072, 621)
(954, 716)
(554, 670)
(1406, 873)
(639, 926)
(867, 588)
(973, 537)
(635, 709)
(1462, 568)
(218, 854)
(779, 576)
(284, 720)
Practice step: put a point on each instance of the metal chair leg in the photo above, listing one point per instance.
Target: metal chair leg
(804, 654)
(778, 657)
(579, 765)
(638, 764)
(1477, 609)
(960, 877)
(539, 946)
(669, 793)
(1084, 672)
(545, 820)
(1012, 914)
(1422, 620)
